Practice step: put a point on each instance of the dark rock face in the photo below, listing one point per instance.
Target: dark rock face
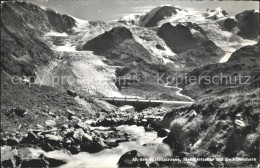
(8, 163)
(191, 43)
(158, 46)
(246, 54)
(61, 22)
(19, 111)
(229, 24)
(12, 141)
(22, 28)
(162, 132)
(108, 40)
(157, 14)
(8, 157)
(248, 23)
(176, 139)
(235, 123)
(120, 48)
(126, 160)
(53, 162)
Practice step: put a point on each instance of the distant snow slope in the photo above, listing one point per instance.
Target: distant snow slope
(228, 41)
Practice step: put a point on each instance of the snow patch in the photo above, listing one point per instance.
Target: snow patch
(56, 34)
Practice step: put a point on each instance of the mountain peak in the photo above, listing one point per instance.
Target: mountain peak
(157, 14)
(108, 40)
(216, 14)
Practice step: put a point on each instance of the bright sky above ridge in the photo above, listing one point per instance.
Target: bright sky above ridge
(107, 10)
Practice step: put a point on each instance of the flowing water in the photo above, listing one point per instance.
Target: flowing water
(108, 158)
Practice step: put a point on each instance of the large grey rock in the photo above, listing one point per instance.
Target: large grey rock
(132, 159)
(53, 162)
(78, 134)
(8, 156)
(53, 140)
(12, 141)
(162, 132)
(38, 162)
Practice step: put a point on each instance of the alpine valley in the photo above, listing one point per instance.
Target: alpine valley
(58, 74)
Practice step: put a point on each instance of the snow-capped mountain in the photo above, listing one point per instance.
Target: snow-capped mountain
(44, 43)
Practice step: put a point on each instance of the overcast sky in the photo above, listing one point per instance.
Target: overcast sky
(107, 10)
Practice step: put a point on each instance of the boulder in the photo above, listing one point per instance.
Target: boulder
(74, 118)
(75, 149)
(239, 122)
(162, 132)
(52, 114)
(93, 147)
(132, 159)
(31, 137)
(12, 141)
(8, 156)
(37, 162)
(71, 93)
(53, 140)
(39, 126)
(97, 145)
(83, 126)
(53, 162)
(19, 111)
(112, 144)
(50, 123)
(64, 127)
(127, 108)
(77, 135)
(47, 147)
(70, 112)
(87, 138)
(158, 46)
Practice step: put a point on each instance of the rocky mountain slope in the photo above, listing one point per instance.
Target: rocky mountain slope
(246, 54)
(120, 48)
(23, 25)
(190, 42)
(225, 120)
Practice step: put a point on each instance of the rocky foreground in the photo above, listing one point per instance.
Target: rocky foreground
(78, 136)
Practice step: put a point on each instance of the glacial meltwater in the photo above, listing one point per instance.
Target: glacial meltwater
(146, 142)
